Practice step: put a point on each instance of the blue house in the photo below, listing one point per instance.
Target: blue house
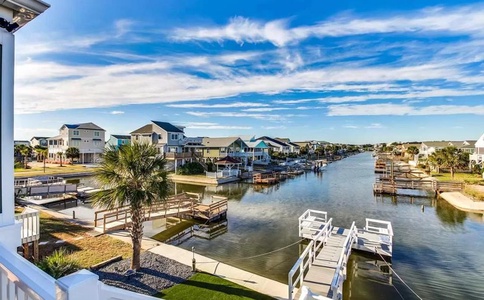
(118, 140)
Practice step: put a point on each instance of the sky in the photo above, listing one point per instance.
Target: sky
(340, 71)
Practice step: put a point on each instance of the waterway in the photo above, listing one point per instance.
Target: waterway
(438, 251)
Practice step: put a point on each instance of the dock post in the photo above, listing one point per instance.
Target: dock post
(194, 262)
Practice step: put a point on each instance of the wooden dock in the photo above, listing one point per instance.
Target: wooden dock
(321, 268)
(184, 204)
(393, 186)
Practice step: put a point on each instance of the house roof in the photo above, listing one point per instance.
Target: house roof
(148, 128)
(88, 125)
(294, 144)
(219, 142)
(441, 144)
(284, 140)
(121, 137)
(256, 144)
(167, 126)
(227, 161)
(273, 141)
(39, 138)
(56, 137)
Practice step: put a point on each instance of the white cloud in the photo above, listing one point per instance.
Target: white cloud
(266, 117)
(273, 127)
(467, 20)
(350, 126)
(117, 112)
(374, 126)
(220, 105)
(402, 109)
(213, 126)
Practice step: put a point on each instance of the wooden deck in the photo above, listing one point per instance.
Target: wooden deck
(321, 268)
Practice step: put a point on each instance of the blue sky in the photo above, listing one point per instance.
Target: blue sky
(342, 71)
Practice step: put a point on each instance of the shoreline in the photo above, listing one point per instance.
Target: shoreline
(463, 202)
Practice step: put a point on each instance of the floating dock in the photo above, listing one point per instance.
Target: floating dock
(321, 269)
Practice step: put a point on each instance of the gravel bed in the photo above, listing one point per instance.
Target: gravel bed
(157, 273)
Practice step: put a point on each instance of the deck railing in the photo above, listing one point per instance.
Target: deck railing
(29, 219)
(382, 228)
(308, 256)
(311, 216)
(340, 272)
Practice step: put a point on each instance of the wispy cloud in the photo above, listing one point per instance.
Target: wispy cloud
(212, 126)
(402, 109)
(273, 127)
(374, 126)
(220, 105)
(117, 112)
(468, 20)
(267, 117)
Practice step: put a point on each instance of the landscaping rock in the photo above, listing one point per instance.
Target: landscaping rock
(157, 273)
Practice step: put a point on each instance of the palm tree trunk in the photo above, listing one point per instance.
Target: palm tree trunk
(452, 172)
(137, 218)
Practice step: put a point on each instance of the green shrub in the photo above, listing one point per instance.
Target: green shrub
(18, 165)
(191, 168)
(59, 264)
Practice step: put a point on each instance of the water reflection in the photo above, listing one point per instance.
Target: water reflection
(448, 214)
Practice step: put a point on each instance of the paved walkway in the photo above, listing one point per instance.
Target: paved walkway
(463, 202)
(205, 264)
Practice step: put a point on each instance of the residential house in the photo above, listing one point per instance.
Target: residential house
(18, 142)
(39, 141)
(169, 140)
(466, 146)
(478, 156)
(213, 149)
(293, 147)
(276, 145)
(256, 152)
(87, 137)
(427, 148)
(117, 140)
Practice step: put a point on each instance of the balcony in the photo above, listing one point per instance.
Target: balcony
(477, 158)
(174, 155)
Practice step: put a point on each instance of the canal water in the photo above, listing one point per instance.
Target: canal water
(438, 251)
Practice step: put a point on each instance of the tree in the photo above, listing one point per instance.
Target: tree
(413, 150)
(26, 152)
(436, 160)
(21, 153)
(43, 153)
(72, 152)
(40, 153)
(132, 175)
(453, 158)
(60, 153)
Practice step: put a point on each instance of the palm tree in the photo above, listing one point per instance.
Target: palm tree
(72, 152)
(453, 159)
(43, 152)
(60, 153)
(132, 175)
(436, 159)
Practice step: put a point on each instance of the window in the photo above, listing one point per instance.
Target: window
(96, 133)
(75, 132)
(75, 143)
(174, 136)
(97, 143)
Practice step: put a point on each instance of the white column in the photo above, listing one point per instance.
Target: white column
(78, 286)
(9, 232)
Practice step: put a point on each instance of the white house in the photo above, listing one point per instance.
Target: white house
(39, 141)
(276, 145)
(87, 137)
(478, 156)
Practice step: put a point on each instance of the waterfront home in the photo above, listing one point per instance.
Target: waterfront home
(18, 142)
(39, 141)
(256, 152)
(117, 140)
(169, 139)
(478, 156)
(427, 148)
(213, 149)
(466, 146)
(293, 147)
(87, 137)
(276, 145)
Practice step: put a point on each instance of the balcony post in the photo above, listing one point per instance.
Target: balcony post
(9, 231)
(78, 286)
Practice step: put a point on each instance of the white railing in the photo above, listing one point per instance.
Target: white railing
(308, 256)
(223, 173)
(20, 279)
(311, 217)
(29, 219)
(304, 261)
(382, 228)
(340, 272)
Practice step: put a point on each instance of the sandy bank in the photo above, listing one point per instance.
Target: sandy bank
(463, 202)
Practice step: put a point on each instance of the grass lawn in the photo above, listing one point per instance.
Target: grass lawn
(208, 287)
(462, 177)
(52, 170)
(86, 249)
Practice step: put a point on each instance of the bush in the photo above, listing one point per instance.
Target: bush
(191, 168)
(59, 264)
(18, 165)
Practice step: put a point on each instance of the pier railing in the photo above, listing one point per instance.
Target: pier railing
(340, 272)
(382, 228)
(308, 256)
(311, 217)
